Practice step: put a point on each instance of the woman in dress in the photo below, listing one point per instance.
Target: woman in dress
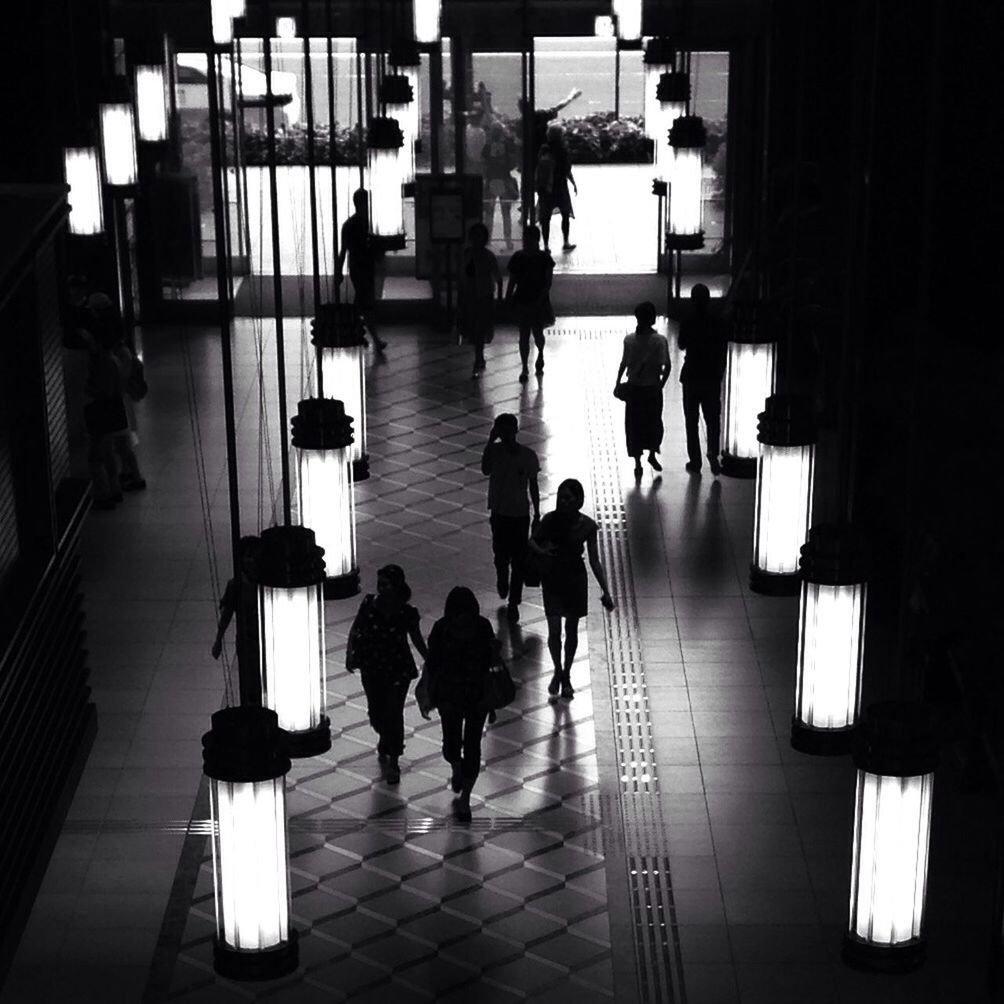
(480, 284)
(561, 199)
(462, 651)
(378, 647)
(558, 543)
(646, 362)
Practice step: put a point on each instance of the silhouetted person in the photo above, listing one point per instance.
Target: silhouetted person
(462, 651)
(530, 273)
(556, 196)
(378, 647)
(558, 543)
(543, 117)
(480, 283)
(646, 361)
(500, 159)
(357, 243)
(240, 599)
(512, 473)
(702, 337)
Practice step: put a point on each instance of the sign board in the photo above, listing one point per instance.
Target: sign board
(446, 205)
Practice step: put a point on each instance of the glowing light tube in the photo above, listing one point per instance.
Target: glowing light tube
(384, 183)
(118, 143)
(343, 376)
(151, 103)
(783, 498)
(892, 830)
(83, 175)
(749, 381)
(326, 503)
(222, 13)
(292, 651)
(685, 203)
(425, 20)
(628, 23)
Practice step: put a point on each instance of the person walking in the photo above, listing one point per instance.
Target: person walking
(530, 274)
(646, 362)
(480, 284)
(702, 338)
(512, 473)
(378, 647)
(499, 156)
(557, 198)
(462, 651)
(364, 263)
(557, 545)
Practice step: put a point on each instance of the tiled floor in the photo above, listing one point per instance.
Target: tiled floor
(655, 839)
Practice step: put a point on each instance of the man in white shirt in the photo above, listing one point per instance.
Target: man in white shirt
(512, 473)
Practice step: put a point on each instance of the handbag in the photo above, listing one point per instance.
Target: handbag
(500, 689)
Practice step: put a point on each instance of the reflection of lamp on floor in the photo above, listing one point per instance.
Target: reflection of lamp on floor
(246, 761)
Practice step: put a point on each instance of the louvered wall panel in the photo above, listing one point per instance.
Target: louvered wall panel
(50, 333)
(8, 513)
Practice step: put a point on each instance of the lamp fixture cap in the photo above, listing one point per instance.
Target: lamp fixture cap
(384, 133)
(675, 87)
(404, 52)
(337, 326)
(116, 91)
(688, 132)
(896, 739)
(396, 89)
(753, 322)
(245, 744)
(836, 554)
(659, 51)
(786, 420)
(320, 423)
(289, 558)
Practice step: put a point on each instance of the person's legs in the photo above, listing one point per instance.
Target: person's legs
(376, 710)
(130, 477)
(505, 207)
(631, 437)
(711, 405)
(392, 735)
(571, 645)
(500, 554)
(473, 728)
(104, 468)
(517, 533)
(539, 341)
(565, 227)
(691, 418)
(523, 318)
(452, 722)
(545, 227)
(554, 647)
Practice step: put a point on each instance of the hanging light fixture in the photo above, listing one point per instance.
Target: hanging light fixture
(425, 19)
(222, 14)
(672, 93)
(787, 438)
(118, 136)
(245, 760)
(405, 59)
(749, 381)
(151, 102)
(896, 754)
(322, 432)
(658, 59)
(285, 27)
(384, 140)
(82, 171)
(831, 625)
(627, 19)
(290, 574)
(686, 138)
(337, 332)
(398, 100)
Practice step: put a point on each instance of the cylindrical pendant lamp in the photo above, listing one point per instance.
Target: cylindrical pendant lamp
(831, 631)
(82, 171)
(246, 760)
(750, 372)
(787, 436)
(322, 433)
(222, 14)
(425, 20)
(672, 92)
(290, 576)
(628, 19)
(685, 230)
(658, 58)
(337, 331)
(384, 142)
(118, 135)
(151, 102)
(398, 99)
(896, 753)
(405, 59)
(285, 27)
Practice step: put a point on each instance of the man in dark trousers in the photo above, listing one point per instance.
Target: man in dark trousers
(512, 472)
(702, 338)
(364, 263)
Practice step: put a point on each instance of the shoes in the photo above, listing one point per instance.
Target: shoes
(568, 247)
(456, 779)
(567, 691)
(133, 486)
(555, 685)
(392, 772)
(512, 613)
(539, 365)
(716, 467)
(694, 468)
(523, 375)
(461, 811)
(653, 463)
(502, 584)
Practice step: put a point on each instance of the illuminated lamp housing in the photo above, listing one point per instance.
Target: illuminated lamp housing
(384, 141)
(657, 59)
(425, 20)
(337, 331)
(627, 19)
(82, 171)
(787, 436)
(831, 629)
(672, 92)
(245, 759)
(289, 577)
(151, 102)
(687, 138)
(896, 753)
(322, 435)
(398, 98)
(750, 372)
(222, 14)
(118, 136)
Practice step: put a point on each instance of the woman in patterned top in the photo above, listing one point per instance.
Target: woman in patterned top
(378, 647)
